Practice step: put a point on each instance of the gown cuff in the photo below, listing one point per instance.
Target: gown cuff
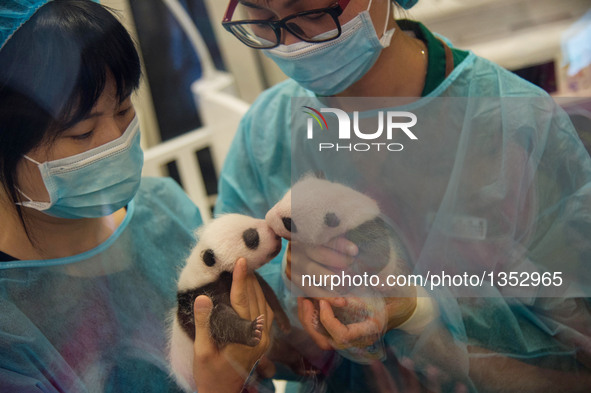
(425, 312)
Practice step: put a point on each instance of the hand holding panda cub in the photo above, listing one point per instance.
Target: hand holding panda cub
(316, 213)
(208, 271)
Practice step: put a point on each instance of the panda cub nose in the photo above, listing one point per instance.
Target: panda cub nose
(289, 224)
(251, 238)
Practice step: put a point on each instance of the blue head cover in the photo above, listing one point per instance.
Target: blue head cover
(406, 4)
(14, 13)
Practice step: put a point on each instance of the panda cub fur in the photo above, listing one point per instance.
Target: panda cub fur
(316, 211)
(323, 210)
(208, 271)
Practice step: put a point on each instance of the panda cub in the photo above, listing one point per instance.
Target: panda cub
(208, 271)
(316, 211)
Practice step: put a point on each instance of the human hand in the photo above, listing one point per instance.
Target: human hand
(234, 361)
(325, 260)
(317, 315)
(328, 332)
(318, 261)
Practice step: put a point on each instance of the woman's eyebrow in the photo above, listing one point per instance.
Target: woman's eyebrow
(290, 3)
(250, 5)
(98, 114)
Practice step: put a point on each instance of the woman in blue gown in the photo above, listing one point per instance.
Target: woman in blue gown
(497, 182)
(89, 250)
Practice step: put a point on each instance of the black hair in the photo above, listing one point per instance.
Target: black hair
(52, 72)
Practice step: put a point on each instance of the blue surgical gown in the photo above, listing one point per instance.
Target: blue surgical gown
(517, 165)
(97, 322)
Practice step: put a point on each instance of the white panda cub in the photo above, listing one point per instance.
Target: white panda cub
(208, 271)
(316, 210)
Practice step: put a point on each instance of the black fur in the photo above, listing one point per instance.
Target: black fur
(289, 224)
(225, 324)
(331, 220)
(373, 241)
(251, 238)
(208, 257)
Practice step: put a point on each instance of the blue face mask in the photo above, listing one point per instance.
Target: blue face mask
(95, 183)
(330, 67)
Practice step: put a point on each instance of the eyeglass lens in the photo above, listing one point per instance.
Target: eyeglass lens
(313, 27)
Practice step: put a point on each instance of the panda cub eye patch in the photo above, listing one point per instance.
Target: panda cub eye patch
(331, 220)
(208, 257)
(251, 238)
(289, 224)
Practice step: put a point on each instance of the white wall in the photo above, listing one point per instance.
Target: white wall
(512, 33)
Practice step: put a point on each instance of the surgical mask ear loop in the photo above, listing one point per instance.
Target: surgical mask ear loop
(20, 191)
(386, 35)
(23, 194)
(30, 159)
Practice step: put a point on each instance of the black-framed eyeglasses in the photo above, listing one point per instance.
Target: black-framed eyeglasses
(318, 25)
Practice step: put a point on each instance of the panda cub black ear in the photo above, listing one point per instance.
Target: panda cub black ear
(251, 238)
(208, 257)
(331, 220)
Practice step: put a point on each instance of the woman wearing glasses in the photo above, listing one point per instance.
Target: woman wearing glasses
(500, 185)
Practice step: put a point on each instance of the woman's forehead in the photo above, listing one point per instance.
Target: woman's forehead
(279, 5)
(270, 3)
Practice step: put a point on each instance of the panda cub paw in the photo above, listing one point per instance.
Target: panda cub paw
(256, 331)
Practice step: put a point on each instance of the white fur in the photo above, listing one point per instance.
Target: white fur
(307, 203)
(311, 198)
(224, 236)
(181, 357)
